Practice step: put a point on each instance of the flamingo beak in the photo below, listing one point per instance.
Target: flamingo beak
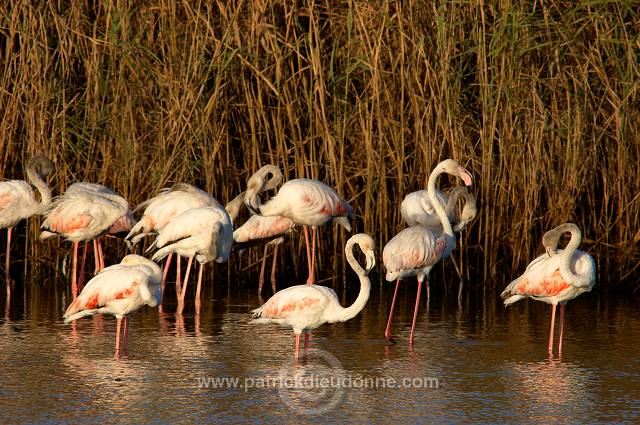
(344, 221)
(465, 175)
(371, 260)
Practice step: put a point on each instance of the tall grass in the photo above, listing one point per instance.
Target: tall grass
(538, 99)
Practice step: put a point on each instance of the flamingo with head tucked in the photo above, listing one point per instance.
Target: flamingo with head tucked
(85, 212)
(204, 233)
(306, 202)
(415, 250)
(18, 201)
(120, 290)
(416, 210)
(306, 307)
(555, 277)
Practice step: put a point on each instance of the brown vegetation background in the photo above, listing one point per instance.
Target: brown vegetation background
(539, 100)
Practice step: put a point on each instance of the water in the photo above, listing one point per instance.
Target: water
(473, 362)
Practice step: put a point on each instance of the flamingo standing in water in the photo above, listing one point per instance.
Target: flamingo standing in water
(120, 290)
(415, 250)
(259, 229)
(306, 307)
(416, 210)
(18, 201)
(306, 202)
(555, 277)
(204, 233)
(85, 212)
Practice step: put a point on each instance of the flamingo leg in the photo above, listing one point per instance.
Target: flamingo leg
(178, 277)
(461, 284)
(312, 269)
(7, 261)
(82, 264)
(561, 328)
(126, 332)
(295, 354)
(387, 332)
(118, 326)
(553, 319)
(426, 284)
(184, 287)
(262, 267)
(164, 274)
(100, 254)
(415, 312)
(273, 268)
(198, 288)
(74, 283)
(307, 336)
(96, 259)
(306, 242)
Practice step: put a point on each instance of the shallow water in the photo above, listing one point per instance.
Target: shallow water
(473, 362)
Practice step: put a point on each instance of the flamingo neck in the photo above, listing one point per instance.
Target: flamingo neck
(233, 207)
(347, 313)
(440, 211)
(567, 254)
(41, 185)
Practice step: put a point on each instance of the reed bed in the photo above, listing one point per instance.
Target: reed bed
(539, 100)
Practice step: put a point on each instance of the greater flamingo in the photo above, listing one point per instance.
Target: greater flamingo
(120, 290)
(259, 229)
(204, 233)
(415, 250)
(308, 203)
(416, 210)
(84, 212)
(555, 277)
(18, 201)
(306, 307)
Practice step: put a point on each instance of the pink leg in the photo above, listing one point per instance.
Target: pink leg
(273, 268)
(126, 332)
(166, 270)
(426, 284)
(553, 319)
(96, 259)
(295, 354)
(74, 283)
(198, 288)
(100, 254)
(262, 267)
(178, 277)
(312, 270)
(561, 328)
(415, 313)
(387, 332)
(306, 345)
(7, 278)
(118, 326)
(306, 242)
(82, 264)
(184, 287)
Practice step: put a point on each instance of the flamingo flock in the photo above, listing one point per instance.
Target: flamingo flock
(188, 222)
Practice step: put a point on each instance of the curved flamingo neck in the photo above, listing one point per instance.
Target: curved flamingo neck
(440, 211)
(45, 192)
(233, 207)
(347, 313)
(565, 265)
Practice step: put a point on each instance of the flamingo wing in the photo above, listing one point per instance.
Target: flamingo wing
(413, 248)
(292, 301)
(16, 202)
(196, 221)
(69, 214)
(541, 279)
(262, 227)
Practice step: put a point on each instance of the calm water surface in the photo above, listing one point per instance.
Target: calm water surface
(473, 362)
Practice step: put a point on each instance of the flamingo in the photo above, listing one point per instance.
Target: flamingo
(120, 289)
(555, 277)
(18, 201)
(306, 307)
(416, 210)
(415, 250)
(306, 202)
(204, 233)
(84, 212)
(258, 229)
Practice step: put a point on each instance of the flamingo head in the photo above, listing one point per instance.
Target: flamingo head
(41, 165)
(452, 167)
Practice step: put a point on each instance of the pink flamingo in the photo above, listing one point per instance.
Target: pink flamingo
(164, 207)
(18, 201)
(204, 233)
(555, 277)
(308, 203)
(84, 212)
(415, 250)
(120, 290)
(258, 229)
(416, 210)
(306, 307)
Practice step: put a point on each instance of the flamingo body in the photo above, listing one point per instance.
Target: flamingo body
(260, 228)
(17, 202)
(417, 210)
